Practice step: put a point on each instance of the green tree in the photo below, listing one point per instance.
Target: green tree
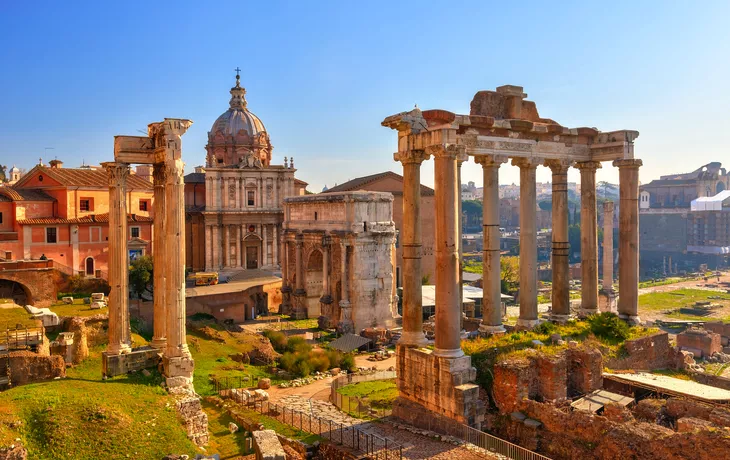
(140, 275)
(574, 238)
(546, 205)
(3, 177)
(510, 273)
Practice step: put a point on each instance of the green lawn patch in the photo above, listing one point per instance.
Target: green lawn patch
(228, 445)
(379, 393)
(78, 308)
(12, 316)
(656, 301)
(283, 429)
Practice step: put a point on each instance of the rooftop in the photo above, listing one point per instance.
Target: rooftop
(360, 183)
(673, 386)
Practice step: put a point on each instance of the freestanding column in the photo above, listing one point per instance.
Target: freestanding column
(298, 265)
(119, 330)
(628, 239)
(208, 247)
(588, 237)
(346, 324)
(448, 313)
(561, 245)
(412, 335)
(239, 256)
(461, 158)
(159, 324)
(326, 297)
(528, 242)
(608, 208)
(226, 246)
(491, 283)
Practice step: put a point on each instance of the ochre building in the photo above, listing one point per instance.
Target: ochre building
(234, 210)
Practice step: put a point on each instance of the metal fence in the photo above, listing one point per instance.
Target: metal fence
(497, 445)
(230, 383)
(359, 407)
(352, 437)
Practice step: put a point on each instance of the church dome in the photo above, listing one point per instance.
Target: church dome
(238, 117)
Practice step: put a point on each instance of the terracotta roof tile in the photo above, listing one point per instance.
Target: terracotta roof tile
(360, 182)
(24, 194)
(90, 178)
(90, 219)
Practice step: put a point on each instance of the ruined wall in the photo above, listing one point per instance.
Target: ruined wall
(585, 371)
(700, 342)
(88, 332)
(194, 419)
(28, 367)
(647, 353)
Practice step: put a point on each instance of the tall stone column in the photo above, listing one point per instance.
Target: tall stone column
(159, 325)
(528, 242)
(226, 246)
(286, 287)
(628, 239)
(326, 295)
(260, 196)
(448, 313)
(299, 293)
(491, 282)
(275, 245)
(239, 255)
(120, 334)
(208, 248)
(265, 249)
(608, 208)
(588, 237)
(561, 245)
(460, 159)
(346, 325)
(412, 335)
(177, 362)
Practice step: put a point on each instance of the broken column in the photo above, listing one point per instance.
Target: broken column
(628, 239)
(588, 237)
(411, 240)
(528, 242)
(607, 295)
(561, 246)
(119, 330)
(159, 323)
(491, 281)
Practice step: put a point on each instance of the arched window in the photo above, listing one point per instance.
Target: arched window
(89, 266)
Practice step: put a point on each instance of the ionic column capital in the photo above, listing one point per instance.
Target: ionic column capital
(411, 157)
(588, 165)
(558, 166)
(490, 161)
(527, 163)
(446, 151)
(117, 173)
(628, 163)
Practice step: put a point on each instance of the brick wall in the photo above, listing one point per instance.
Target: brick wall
(700, 342)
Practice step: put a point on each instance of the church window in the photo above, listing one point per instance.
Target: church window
(251, 198)
(51, 236)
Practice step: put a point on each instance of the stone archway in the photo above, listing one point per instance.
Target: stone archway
(313, 280)
(252, 252)
(17, 292)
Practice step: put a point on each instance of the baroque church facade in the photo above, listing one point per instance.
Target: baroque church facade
(234, 205)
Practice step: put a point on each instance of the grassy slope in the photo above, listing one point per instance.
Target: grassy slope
(84, 417)
(11, 316)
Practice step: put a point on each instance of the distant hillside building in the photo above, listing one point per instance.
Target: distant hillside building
(63, 214)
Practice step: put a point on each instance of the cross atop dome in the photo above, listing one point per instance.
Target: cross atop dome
(238, 93)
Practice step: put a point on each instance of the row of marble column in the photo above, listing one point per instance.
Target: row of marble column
(218, 240)
(220, 198)
(169, 260)
(447, 187)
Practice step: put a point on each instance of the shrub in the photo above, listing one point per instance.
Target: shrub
(278, 340)
(319, 362)
(547, 328)
(302, 368)
(348, 362)
(335, 358)
(287, 361)
(297, 344)
(608, 326)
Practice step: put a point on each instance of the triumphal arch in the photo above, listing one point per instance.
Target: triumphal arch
(162, 148)
(501, 125)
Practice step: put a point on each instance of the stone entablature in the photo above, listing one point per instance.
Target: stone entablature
(339, 257)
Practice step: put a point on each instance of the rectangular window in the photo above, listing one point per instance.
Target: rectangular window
(251, 196)
(51, 235)
(95, 234)
(1, 218)
(144, 205)
(84, 206)
(134, 231)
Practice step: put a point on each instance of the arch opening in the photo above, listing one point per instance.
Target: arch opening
(16, 292)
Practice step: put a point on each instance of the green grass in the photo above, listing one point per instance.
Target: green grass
(380, 393)
(656, 301)
(283, 429)
(664, 282)
(228, 445)
(682, 375)
(76, 309)
(83, 416)
(10, 317)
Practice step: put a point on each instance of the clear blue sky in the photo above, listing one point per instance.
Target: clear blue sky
(322, 76)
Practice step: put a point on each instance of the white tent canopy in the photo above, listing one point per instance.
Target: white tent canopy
(710, 203)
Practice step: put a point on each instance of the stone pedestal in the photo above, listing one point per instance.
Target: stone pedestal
(561, 247)
(491, 284)
(628, 267)
(435, 386)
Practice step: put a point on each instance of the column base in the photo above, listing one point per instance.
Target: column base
(448, 353)
(178, 371)
(413, 339)
(585, 312)
(560, 319)
(121, 349)
(527, 323)
(631, 319)
(486, 329)
(158, 344)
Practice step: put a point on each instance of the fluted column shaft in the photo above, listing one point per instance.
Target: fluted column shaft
(491, 281)
(588, 237)
(528, 242)
(448, 313)
(412, 335)
(561, 245)
(628, 215)
(608, 208)
(159, 324)
(119, 329)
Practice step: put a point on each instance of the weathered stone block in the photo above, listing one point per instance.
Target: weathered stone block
(267, 446)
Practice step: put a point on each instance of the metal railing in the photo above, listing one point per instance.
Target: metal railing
(230, 383)
(497, 445)
(21, 338)
(359, 407)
